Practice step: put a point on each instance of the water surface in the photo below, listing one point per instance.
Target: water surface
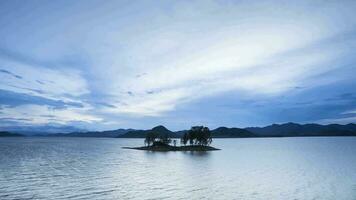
(98, 168)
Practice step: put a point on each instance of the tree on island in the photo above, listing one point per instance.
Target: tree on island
(158, 139)
(184, 139)
(154, 138)
(197, 135)
(150, 138)
(165, 139)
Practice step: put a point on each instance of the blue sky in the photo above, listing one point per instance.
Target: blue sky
(118, 64)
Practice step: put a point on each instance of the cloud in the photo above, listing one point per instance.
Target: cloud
(228, 66)
(10, 73)
(56, 84)
(342, 120)
(14, 99)
(349, 112)
(170, 55)
(38, 114)
(186, 56)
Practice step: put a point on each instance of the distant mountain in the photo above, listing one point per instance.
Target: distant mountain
(161, 130)
(274, 130)
(294, 130)
(41, 130)
(179, 134)
(221, 132)
(8, 134)
(110, 134)
(224, 132)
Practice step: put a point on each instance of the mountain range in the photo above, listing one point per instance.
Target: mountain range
(294, 129)
(142, 133)
(41, 129)
(274, 130)
(8, 134)
(110, 133)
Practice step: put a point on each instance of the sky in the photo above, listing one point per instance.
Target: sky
(100, 65)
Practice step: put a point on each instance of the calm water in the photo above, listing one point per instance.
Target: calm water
(94, 168)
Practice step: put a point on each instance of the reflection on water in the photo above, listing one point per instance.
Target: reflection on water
(198, 153)
(98, 168)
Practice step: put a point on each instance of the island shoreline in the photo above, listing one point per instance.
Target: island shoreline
(174, 148)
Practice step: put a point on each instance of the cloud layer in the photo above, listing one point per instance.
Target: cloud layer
(117, 62)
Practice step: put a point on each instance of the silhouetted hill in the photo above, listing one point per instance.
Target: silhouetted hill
(274, 130)
(293, 130)
(8, 134)
(112, 133)
(221, 132)
(224, 132)
(41, 129)
(179, 134)
(161, 130)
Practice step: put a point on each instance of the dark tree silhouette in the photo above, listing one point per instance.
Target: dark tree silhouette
(191, 136)
(184, 139)
(197, 135)
(150, 138)
(154, 138)
(165, 139)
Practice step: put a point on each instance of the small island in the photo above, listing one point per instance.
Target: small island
(198, 138)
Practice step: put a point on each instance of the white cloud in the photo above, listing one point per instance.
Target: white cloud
(252, 64)
(64, 84)
(343, 120)
(57, 83)
(349, 112)
(149, 64)
(37, 115)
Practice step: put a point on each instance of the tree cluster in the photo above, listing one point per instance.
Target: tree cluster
(154, 137)
(197, 135)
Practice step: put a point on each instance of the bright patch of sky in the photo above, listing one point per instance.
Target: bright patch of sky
(111, 64)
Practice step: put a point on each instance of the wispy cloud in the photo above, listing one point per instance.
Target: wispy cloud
(10, 73)
(349, 112)
(14, 99)
(42, 95)
(342, 120)
(36, 115)
(138, 65)
(249, 64)
(60, 83)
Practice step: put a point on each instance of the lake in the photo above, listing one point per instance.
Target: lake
(255, 168)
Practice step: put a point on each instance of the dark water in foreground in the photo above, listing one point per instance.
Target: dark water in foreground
(95, 168)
